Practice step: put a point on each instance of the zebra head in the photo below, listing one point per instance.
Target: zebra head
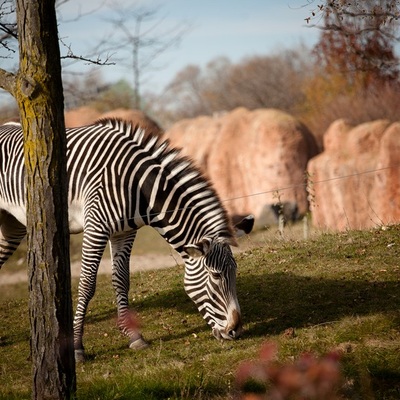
(210, 281)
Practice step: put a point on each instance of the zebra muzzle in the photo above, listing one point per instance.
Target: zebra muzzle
(232, 330)
(226, 335)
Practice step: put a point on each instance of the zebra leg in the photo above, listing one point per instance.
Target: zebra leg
(11, 234)
(121, 247)
(93, 246)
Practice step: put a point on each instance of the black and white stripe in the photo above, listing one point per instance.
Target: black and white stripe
(119, 180)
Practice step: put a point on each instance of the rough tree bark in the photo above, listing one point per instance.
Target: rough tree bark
(37, 88)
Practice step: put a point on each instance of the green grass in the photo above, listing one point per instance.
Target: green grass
(336, 291)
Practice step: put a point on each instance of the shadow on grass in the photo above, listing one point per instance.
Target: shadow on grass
(163, 303)
(174, 298)
(273, 302)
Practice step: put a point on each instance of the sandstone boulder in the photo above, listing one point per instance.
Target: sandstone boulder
(80, 116)
(253, 158)
(355, 182)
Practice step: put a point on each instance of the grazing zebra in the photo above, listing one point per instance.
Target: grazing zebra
(121, 179)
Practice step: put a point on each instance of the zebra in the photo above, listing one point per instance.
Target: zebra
(121, 178)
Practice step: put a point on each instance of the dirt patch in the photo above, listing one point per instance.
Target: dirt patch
(138, 263)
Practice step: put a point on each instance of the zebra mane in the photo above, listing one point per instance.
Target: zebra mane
(172, 160)
(135, 131)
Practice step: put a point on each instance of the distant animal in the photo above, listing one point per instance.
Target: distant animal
(121, 179)
(272, 214)
(288, 210)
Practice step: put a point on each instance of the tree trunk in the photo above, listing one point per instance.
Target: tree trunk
(38, 91)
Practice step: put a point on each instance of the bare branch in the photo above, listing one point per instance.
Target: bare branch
(144, 40)
(10, 30)
(8, 27)
(97, 61)
(89, 60)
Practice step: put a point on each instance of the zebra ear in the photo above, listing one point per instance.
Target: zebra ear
(243, 225)
(198, 249)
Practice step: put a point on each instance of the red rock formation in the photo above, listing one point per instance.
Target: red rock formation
(354, 183)
(253, 158)
(80, 116)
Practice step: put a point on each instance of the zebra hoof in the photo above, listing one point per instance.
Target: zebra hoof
(80, 356)
(138, 344)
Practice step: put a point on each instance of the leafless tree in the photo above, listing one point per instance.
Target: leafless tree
(141, 33)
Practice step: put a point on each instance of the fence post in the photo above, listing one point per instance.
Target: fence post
(281, 223)
(305, 227)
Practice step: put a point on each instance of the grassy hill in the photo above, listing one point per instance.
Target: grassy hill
(332, 292)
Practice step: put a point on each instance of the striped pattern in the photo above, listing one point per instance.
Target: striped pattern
(121, 179)
(211, 283)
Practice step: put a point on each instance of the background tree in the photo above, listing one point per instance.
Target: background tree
(356, 69)
(37, 88)
(389, 10)
(359, 45)
(274, 81)
(138, 31)
(111, 97)
(91, 90)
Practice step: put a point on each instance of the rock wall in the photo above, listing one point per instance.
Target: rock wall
(355, 182)
(253, 158)
(80, 116)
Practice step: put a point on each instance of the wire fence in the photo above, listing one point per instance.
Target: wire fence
(308, 180)
(308, 184)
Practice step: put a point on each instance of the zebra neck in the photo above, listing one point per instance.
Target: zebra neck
(191, 232)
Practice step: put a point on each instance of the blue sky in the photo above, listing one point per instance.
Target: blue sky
(231, 28)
